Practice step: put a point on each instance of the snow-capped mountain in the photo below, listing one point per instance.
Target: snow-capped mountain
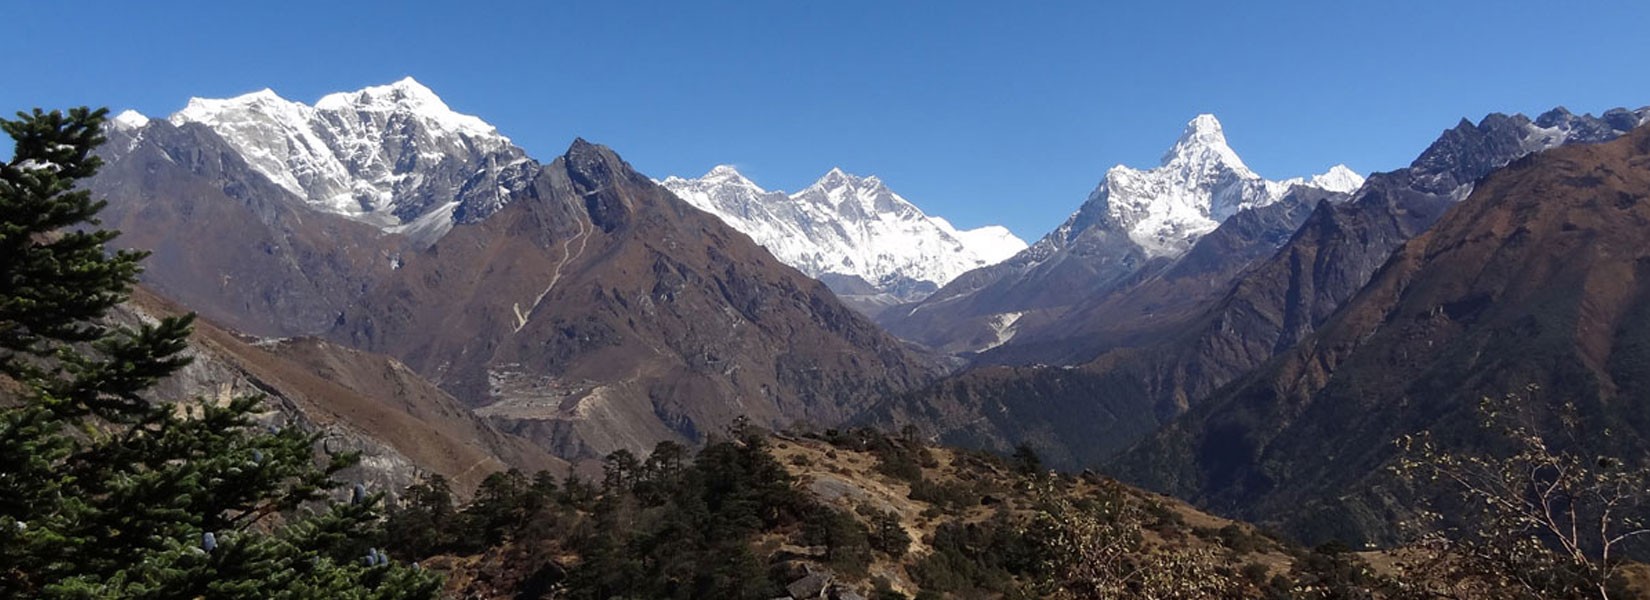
(1133, 219)
(850, 231)
(1199, 184)
(394, 156)
(1339, 178)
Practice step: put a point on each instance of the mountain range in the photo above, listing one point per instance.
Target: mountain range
(1532, 288)
(1194, 327)
(575, 302)
(1163, 344)
(872, 246)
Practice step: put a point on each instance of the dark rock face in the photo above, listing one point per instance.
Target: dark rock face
(229, 243)
(600, 312)
(1537, 279)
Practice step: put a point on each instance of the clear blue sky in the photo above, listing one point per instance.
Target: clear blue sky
(983, 112)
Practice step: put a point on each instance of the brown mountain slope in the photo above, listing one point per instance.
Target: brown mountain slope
(403, 426)
(227, 242)
(1169, 344)
(1541, 278)
(600, 312)
(1334, 254)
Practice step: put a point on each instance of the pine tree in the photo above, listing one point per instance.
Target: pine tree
(106, 493)
(423, 523)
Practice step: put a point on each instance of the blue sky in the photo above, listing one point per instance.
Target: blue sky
(982, 112)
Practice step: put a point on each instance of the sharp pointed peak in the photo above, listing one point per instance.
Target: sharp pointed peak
(581, 145)
(1202, 131)
(1202, 138)
(594, 160)
(1203, 125)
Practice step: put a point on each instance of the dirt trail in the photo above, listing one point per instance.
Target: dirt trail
(583, 238)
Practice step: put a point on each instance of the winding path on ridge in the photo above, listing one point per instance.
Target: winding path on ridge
(583, 237)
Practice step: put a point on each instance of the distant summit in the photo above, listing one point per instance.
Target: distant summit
(1199, 184)
(853, 232)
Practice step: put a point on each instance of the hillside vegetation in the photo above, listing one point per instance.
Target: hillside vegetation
(858, 514)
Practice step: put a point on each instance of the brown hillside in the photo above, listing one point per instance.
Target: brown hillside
(600, 312)
(1537, 285)
(404, 426)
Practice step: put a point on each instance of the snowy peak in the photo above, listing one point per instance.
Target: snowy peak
(1339, 178)
(1199, 184)
(836, 178)
(213, 110)
(129, 120)
(1204, 127)
(849, 226)
(729, 175)
(272, 133)
(1203, 131)
(858, 196)
(1202, 145)
(407, 93)
(393, 155)
(407, 96)
(243, 111)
